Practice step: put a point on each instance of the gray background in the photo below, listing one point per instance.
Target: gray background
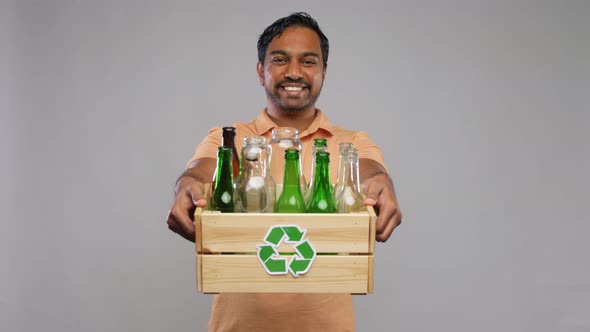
(481, 108)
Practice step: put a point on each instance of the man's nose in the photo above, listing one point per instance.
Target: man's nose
(294, 71)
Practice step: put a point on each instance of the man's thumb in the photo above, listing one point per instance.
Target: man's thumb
(371, 194)
(200, 202)
(197, 196)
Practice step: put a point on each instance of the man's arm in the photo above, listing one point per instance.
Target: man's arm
(381, 195)
(189, 194)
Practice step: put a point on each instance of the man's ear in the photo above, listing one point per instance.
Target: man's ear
(260, 72)
(324, 71)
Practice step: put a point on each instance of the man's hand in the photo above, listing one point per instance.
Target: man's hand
(190, 194)
(381, 196)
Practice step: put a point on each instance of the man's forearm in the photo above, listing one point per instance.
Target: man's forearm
(369, 168)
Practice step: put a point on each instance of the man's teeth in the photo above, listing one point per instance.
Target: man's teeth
(293, 88)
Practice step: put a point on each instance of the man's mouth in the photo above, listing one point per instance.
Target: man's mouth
(293, 90)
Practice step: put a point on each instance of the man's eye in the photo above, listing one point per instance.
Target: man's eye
(309, 62)
(278, 60)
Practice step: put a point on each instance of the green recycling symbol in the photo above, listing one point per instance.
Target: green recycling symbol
(273, 262)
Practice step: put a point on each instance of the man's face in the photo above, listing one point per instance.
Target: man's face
(293, 71)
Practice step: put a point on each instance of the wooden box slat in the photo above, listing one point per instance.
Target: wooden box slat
(372, 229)
(237, 232)
(370, 277)
(243, 274)
(199, 273)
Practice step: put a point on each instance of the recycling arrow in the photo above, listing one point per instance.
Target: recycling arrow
(300, 266)
(271, 260)
(277, 233)
(273, 263)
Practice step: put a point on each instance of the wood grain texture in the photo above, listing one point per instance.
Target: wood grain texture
(198, 233)
(199, 274)
(241, 232)
(370, 281)
(372, 228)
(244, 273)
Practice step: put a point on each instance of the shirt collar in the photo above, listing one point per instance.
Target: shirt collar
(264, 124)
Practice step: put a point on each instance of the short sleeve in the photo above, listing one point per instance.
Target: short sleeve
(208, 146)
(367, 148)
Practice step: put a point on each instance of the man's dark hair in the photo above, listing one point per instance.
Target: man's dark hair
(296, 19)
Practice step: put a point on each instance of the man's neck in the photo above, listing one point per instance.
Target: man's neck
(300, 120)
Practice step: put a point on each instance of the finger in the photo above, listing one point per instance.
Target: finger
(176, 230)
(372, 191)
(173, 226)
(184, 228)
(180, 218)
(391, 225)
(196, 192)
(386, 213)
(172, 223)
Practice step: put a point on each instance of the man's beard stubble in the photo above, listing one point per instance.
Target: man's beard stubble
(276, 98)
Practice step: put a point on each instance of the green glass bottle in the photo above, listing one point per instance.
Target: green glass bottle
(321, 199)
(291, 199)
(319, 144)
(222, 197)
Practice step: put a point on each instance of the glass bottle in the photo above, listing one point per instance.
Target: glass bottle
(228, 139)
(319, 144)
(343, 147)
(350, 197)
(222, 197)
(321, 199)
(291, 199)
(255, 187)
(284, 138)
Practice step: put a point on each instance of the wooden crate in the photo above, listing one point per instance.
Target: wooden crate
(228, 255)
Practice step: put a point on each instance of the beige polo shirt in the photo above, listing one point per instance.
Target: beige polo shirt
(287, 312)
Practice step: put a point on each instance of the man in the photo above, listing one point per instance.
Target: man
(293, 56)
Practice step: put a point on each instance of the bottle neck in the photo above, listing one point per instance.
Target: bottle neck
(228, 139)
(351, 173)
(315, 150)
(322, 173)
(291, 176)
(224, 167)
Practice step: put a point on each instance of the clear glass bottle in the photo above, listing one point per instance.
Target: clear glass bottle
(284, 138)
(321, 199)
(228, 139)
(319, 144)
(343, 148)
(255, 187)
(350, 197)
(222, 197)
(291, 199)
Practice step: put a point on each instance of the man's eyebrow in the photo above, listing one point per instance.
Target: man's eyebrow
(305, 54)
(311, 54)
(279, 52)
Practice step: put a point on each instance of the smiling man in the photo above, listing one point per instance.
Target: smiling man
(292, 64)
(292, 71)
